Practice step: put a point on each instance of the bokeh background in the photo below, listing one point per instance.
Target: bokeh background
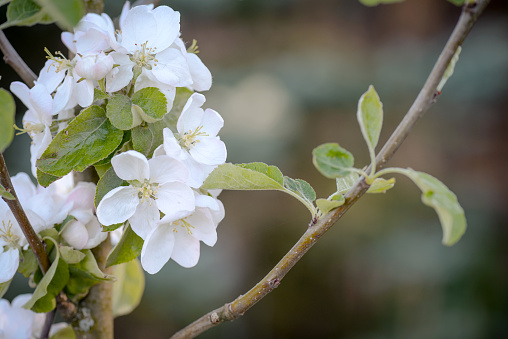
(287, 77)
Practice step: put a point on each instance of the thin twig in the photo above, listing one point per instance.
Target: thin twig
(50, 318)
(12, 58)
(425, 99)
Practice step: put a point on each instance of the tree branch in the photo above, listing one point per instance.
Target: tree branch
(12, 58)
(424, 100)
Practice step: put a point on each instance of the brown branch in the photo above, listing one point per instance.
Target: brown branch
(425, 99)
(12, 58)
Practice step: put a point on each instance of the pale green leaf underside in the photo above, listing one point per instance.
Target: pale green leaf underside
(7, 112)
(436, 195)
(381, 185)
(129, 287)
(326, 206)
(345, 183)
(370, 117)
(6, 194)
(332, 160)
(449, 70)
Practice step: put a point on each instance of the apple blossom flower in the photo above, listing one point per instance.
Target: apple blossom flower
(179, 239)
(85, 231)
(93, 66)
(17, 322)
(37, 120)
(156, 185)
(11, 241)
(200, 74)
(196, 143)
(145, 45)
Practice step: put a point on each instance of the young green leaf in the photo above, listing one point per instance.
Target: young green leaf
(128, 248)
(57, 276)
(254, 176)
(66, 13)
(370, 117)
(381, 185)
(45, 179)
(145, 139)
(70, 255)
(90, 137)
(6, 194)
(24, 13)
(129, 287)
(326, 206)
(119, 111)
(65, 332)
(449, 70)
(332, 160)
(99, 95)
(107, 160)
(28, 264)
(7, 112)
(300, 187)
(436, 195)
(345, 183)
(151, 102)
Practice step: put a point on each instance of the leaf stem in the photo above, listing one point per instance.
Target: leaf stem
(426, 97)
(310, 206)
(12, 58)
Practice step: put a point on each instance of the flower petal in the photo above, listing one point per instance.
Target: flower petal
(209, 151)
(145, 218)
(166, 169)
(212, 122)
(131, 165)
(75, 234)
(139, 27)
(168, 26)
(117, 205)
(201, 76)
(172, 68)
(204, 227)
(186, 249)
(157, 248)
(192, 114)
(9, 262)
(175, 200)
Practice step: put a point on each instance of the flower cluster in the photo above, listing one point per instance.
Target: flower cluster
(133, 74)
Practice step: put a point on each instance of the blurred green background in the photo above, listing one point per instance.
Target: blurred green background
(287, 77)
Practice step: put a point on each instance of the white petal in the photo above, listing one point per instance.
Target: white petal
(201, 76)
(9, 262)
(95, 234)
(212, 122)
(41, 99)
(139, 26)
(83, 91)
(63, 95)
(197, 172)
(175, 200)
(168, 26)
(68, 40)
(22, 92)
(207, 201)
(186, 249)
(209, 151)
(171, 146)
(192, 114)
(82, 196)
(157, 248)
(166, 169)
(24, 187)
(39, 144)
(75, 234)
(93, 41)
(172, 68)
(117, 205)
(145, 218)
(204, 227)
(131, 165)
(49, 77)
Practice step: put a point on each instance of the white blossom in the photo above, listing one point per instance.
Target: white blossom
(17, 322)
(156, 185)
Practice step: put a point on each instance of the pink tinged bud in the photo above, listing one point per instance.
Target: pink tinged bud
(94, 67)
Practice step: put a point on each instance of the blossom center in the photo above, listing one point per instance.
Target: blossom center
(190, 138)
(147, 191)
(7, 235)
(184, 224)
(144, 57)
(60, 62)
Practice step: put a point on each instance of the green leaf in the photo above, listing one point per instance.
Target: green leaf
(28, 263)
(128, 248)
(64, 333)
(88, 138)
(457, 2)
(45, 179)
(332, 160)
(24, 13)
(107, 182)
(145, 139)
(326, 206)
(182, 96)
(381, 185)
(119, 111)
(152, 104)
(4, 287)
(370, 117)
(436, 195)
(7, 112)
(345, 183)
(84, 275)
(57, 276)
(70, 255)
(66, 13)
(107, 160)
(4, 2)
(129, 287)
(102, 169)
(449, 70)
(6, 194)
(99, 95)
(252, 176)
(300, 187)
(377, 2)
